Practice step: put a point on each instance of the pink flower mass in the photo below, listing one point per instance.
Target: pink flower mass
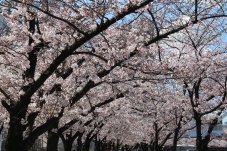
(112, 72)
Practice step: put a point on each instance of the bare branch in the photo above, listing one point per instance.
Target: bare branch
(196, 12)
(155, 23)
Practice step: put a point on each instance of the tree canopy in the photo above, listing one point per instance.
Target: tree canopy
(147, 69)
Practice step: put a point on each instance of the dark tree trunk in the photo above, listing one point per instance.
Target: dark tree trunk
(199, 142)
(206, 139)
(68, 145)
(102, 146)
(144, 147)
(156, 147)
(175, 139)
(176, 133)
(156, 141)
(79, 143)
(1, 128)
(151, 146)
(86, 145)
(118, 144)
(16, 141)
(52, 142)
(204, 145)
(68, 140)
(97, 145)
(15, 135)
(114, 147)
(53, 138)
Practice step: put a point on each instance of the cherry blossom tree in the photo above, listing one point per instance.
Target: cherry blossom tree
(201, 66)
(29, 87)
(56, 52)
(165, 113)
(86, 116)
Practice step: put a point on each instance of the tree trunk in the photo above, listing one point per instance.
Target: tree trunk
(68, 144)
(156, 141)
(156, 147)
(102, 146)
(151, 146)
(144, 147)
(52, 142)
(87, 145)
(68, 140)
(1, 128)
(53, 138)
(79, 143)
(199, 142)
(175, 138)
(204, 145)
(15, 135)
(16, 141)
(97, 145)
(118, 144)
(114, 147)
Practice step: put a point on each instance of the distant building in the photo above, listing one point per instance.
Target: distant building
(219, 129)
(224, 119)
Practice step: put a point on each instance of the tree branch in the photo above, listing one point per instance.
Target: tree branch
(70, 49)
(155, 23)
(221, 103)
(121, 95)
(92, 54)
(196, 12)
(29, 141)
(165, 35)
(67, 125)
(51, 15)
(1, 127)
(5, 94)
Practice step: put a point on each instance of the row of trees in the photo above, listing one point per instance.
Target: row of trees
(114, 71)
